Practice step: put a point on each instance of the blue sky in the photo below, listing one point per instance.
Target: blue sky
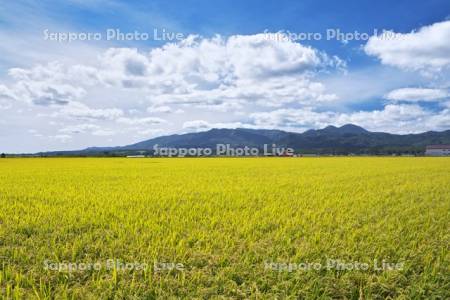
(242, 17)
(226, 71)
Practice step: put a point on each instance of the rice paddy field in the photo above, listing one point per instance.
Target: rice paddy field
(225, 228)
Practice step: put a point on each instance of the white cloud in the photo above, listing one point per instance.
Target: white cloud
(103, 132)
(6, 93)
(80, 128)
(196, 125)
(6, 97)
(164, 109)
(218, 73)
(78, 110)
(399, 118)
(43, 85)
(293, 119)
(426, 49)
(149, 132)
(123, 67)
(257, 56)
(4, 105)
(159, 109)
(417, 94)
(202, 125)
(61, 137)
(93, 129)
(141, 121)
(246, 81)
(203, 71)
(44, 93)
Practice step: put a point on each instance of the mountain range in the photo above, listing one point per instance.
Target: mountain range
(348, 139)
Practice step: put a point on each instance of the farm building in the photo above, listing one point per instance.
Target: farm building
(438, 150)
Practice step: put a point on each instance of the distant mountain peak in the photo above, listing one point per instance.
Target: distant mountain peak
(347, 128)
(348, 138)
(351, 128)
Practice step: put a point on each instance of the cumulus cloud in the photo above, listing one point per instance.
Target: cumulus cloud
(6, 93)
(426, 49)
(396, 118)
(64, 138)
(44, 85)
(103, 132)
(402, 118)
(80, 128)
(159, 109)
(6, 97)
(279, 79)
(219, 73)
(227, 73)
(196, 125)
(257, 56)
(294, 119)
(92, 129)
(399, 118)
(42, 93)
(276, 91)
(141, 121)
(202, 125)
(78, 110)
(163, 109)
(149, 132)
(417, 94)
(123, 66)
(4, 105)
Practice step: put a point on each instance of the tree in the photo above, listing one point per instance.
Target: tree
(3, 155)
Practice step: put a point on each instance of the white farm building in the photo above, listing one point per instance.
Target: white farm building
(438, 150)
